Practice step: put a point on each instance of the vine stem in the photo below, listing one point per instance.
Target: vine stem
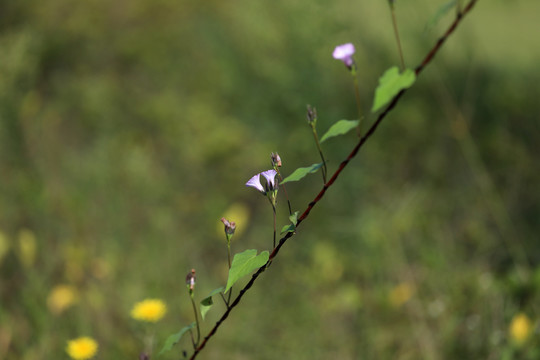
(284, 190)
(358, 102)
(396, 34)
(342, 166)
(196, 321)
(274, 211)
(324, 169)
(229, 259)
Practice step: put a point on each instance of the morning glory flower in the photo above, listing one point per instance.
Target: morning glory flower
(344, 53)
(270, 176)
(269, 190)
(255, 182)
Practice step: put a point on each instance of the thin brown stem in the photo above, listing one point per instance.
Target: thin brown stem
(192, 339)
(196, 321)
(324, 169)
(326, 186)
(396, 34)
(229, 253)
(284, 190)
(274, 211)
(223, 298)
(358, 103)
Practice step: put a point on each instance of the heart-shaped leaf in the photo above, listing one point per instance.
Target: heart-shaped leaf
(292, 226)
(300, 173)
(339, 128)
(207, 302)
(390, 84)
(243, 264)
(175, 338)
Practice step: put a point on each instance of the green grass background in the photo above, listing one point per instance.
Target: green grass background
(128, 129)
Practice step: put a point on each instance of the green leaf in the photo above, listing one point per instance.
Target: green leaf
(292, 226)
(175, 338)
(339, 128)
(243, 264)
(207, 302)
(288, 228)
(294, 218)
(390, 84)
(300, 173)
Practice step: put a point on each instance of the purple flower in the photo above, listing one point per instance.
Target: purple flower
(269, 175)
(255, 182)
(344, 53)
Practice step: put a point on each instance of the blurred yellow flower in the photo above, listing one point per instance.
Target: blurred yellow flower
(401, 294)
(150, 310)
(60, 298)
(27, 247)
(82, 348)
(520, 328)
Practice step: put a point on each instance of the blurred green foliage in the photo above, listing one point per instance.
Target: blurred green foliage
(128, 129)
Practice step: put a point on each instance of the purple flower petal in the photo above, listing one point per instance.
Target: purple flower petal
(270, 176)
(255, 182)
(344, 53)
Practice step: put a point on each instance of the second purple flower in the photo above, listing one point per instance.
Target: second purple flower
(270, 185)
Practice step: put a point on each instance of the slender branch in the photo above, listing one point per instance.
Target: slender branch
(274, 211)
(316, 137)
(341, 167)
(284, 190)
(358, 102)
(396, 34)
(196, 321)
(223, 297)
(229, 296)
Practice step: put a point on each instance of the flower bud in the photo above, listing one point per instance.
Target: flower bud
(311, 115)
(276, 160)
(230, 226)
(190, 280)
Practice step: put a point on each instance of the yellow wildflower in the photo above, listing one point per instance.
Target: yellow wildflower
(61, 297)
(401, 294)
(150, 310)
(520, 328)
(82, 348)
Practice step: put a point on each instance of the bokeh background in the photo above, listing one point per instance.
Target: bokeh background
(128, 129)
